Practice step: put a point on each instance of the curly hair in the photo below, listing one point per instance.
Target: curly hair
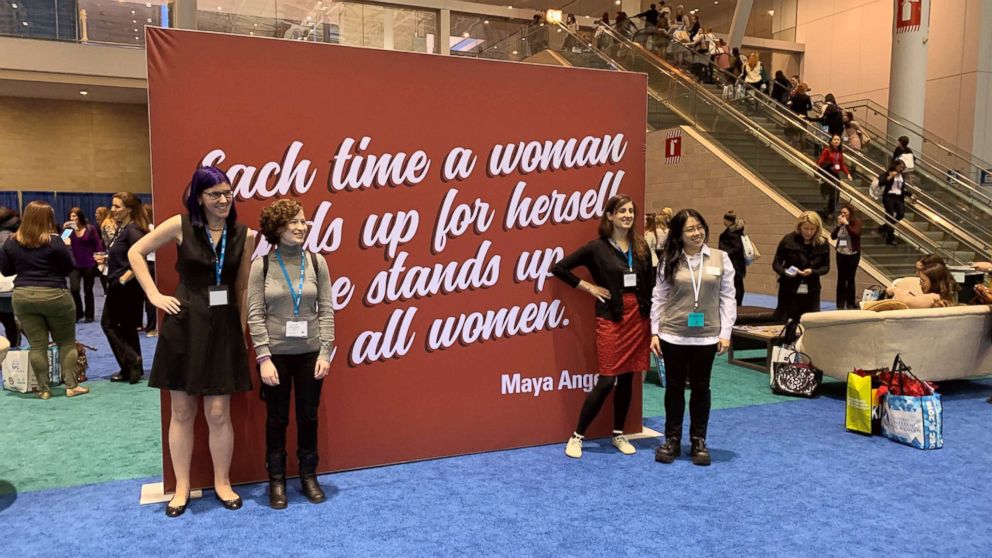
(276, 216)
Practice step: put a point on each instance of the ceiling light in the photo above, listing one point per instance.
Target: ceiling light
(132, 12)
(309, 18)
(514, 52)
(24, 23)
(219, 8)
(13, 6)
(254, 25)
(465, 35)
(84, 93)
(134, 21)
(251, 33)
(148, 4)
(617, 2)
(149, 20)
(771, 12)
(486, 21)
(135, 29)
(135, 38)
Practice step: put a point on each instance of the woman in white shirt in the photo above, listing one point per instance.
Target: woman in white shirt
(692, 313)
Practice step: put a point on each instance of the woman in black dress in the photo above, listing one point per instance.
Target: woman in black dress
(201, 348)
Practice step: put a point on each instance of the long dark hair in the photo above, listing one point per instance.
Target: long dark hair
(606, 227)
(79, 215)
(203, 178)
(672, 254)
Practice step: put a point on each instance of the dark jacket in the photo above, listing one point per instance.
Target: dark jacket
(853, 231)
(887, 183)
(801, 104)
(45, 266)
(792, 251)
(833, 119)
(607, 265)
(732, 242)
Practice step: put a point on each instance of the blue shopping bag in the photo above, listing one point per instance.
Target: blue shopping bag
(914, 420)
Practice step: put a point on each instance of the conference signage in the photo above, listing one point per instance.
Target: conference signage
(441, 190)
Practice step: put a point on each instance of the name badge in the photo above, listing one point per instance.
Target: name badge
(696, 319)
(629, 279)
(803, 289)
(713, 270)
(841, 243)
(218, 295)
(836, 167)
(296, 328)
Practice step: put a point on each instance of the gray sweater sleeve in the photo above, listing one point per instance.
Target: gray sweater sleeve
(256, 309)
(325, 309)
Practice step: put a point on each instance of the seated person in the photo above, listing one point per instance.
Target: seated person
(938, 286)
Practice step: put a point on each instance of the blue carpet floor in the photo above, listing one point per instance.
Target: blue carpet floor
(787, 480)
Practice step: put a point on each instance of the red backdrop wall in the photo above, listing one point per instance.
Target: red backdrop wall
(248, 104)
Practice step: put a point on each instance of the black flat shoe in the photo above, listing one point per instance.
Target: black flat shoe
(119, 377)
(176, 511)
(135, 379)
(232, 505)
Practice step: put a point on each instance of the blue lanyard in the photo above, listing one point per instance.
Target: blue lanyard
(630, 254)
(297, 296)
(218, 260)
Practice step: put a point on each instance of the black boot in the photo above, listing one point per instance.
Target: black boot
(667, 452)
(275, 463)
(700, 455)
(308, 477)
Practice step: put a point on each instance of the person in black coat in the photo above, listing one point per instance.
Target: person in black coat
(732, 242)
(895, 190)
(802, 257)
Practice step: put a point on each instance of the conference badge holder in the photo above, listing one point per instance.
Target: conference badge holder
(218, 295)
(802, 289)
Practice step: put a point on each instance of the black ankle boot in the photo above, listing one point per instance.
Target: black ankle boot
(667, 452)
(308, 477)
(700, 455)
(275, 463)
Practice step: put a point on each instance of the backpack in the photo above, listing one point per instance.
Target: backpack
(751, 253)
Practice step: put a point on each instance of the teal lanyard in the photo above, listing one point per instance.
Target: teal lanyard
(297, 296)
(218, 259)
(630, 254)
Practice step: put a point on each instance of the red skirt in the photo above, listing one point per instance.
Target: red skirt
(624, 346)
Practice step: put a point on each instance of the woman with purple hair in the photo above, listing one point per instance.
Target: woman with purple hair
(201, 348)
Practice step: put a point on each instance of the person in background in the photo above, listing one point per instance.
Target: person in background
(692, 314)
(680, 14)
(895, 190)
(854, 134)
(832, 162)
(290, 359)
(122, 307)
(831, 116)
(42, 262)
(570, 41)
(108, 228)
(847, 233)
(651, 17)
(624, 26)
(151, 314)
(903, 149)
(694, 27)
(201, 350)
(732, 242)
(938, 286)
(799, 103)
(802, 257)
(781, 88)
(736, 63)
(9, 222)
(651, 238)
(752, 72)
(661, 222)
(603, 40)
(620, 265)
(85, 241)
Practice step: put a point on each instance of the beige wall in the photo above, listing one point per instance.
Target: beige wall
(848, 53)
(73, 146)
(702, 181)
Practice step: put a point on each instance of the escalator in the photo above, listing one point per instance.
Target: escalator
(754, 129)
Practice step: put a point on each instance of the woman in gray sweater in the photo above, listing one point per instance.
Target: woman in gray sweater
(292, 327)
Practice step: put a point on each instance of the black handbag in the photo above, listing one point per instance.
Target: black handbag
(797, 378)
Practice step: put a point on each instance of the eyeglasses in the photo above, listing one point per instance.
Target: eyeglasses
(214, 196)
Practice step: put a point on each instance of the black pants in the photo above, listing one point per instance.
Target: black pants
(847, 268)
(594, 401)
(895, 210)
(791, 304)
(121, 318)
(86, 276)
(151, 313)
(739, 288)
(695, 363)
(292, 369)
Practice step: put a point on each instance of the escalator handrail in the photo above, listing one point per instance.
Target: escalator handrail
(867, 205)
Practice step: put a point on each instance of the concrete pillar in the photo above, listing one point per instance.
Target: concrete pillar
(908, 73)
(388, 23)
(742, 13)
(444, 31)
(184, 14)
(982, 135)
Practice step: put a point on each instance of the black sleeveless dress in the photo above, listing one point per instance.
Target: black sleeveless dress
(201, 350)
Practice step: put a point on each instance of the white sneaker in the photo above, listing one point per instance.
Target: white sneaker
(573, 448)
(620, 442)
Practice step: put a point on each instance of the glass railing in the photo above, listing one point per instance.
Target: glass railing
(762, 148)
(966, 219)
(118, 22)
